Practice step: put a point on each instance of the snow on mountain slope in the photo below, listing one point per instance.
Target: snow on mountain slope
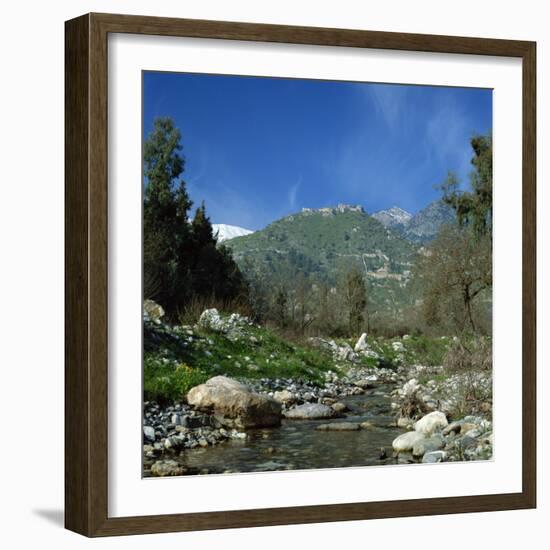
(226, 232)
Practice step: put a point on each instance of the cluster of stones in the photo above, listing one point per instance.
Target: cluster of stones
(344, 352)
(447, 394)
(167, 432)
(233, 326)
(292, 393)
(432, 438)
(221, 408)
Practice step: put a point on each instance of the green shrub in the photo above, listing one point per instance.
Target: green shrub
(425, 350)
(166, 380)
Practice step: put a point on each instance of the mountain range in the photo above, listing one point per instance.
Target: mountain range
(323, 244)
(419, 228)
(393, 217)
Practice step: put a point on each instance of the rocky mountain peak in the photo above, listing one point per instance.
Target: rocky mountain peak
(393, 216)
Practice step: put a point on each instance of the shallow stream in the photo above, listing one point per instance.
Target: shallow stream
(297, 445)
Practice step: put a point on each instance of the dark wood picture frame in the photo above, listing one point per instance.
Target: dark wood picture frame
(86, 415)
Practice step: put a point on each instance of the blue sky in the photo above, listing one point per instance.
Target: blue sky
(257, 149)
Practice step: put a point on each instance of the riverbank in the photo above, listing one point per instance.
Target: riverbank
(323, 403)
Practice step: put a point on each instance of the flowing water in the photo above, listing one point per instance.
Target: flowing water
(297, 445)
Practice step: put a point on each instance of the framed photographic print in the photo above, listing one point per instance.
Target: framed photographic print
(300, 275)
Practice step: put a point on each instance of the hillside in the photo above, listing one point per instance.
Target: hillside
(325, 243)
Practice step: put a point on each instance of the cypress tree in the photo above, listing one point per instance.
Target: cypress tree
(181, 259)
(166, 232)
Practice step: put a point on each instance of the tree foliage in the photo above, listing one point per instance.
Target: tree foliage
(181, 259)
(474, 207)
(455, 274)
(355, 296)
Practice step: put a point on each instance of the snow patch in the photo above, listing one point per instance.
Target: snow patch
(225, 232)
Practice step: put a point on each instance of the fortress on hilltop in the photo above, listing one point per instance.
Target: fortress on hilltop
(339, 209)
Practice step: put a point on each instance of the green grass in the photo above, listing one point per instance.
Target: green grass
(168, 380)
(176, 359)
(171, 368)
(439, 377)
(424, 350)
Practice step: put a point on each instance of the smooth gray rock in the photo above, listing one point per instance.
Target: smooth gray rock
(467, 442)
(310, 411)
(434, 457)
(149, 433)
(434, 443)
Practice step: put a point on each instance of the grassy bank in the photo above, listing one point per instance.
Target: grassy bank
(176, 358)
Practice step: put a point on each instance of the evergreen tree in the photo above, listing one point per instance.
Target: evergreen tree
(205, 256)
(475, 207)
(181, 259)
(165, 222)
(215, 274)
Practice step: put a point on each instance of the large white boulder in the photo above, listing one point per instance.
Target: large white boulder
(234, 404)
(432, 422)
(405, 442)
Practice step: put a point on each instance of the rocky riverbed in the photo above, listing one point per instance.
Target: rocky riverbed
(358, 413)
(354, 420)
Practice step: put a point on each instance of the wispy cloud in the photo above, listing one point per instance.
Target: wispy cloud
(390, 103)
(402, 145)
(293, 192)
(447, 137)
